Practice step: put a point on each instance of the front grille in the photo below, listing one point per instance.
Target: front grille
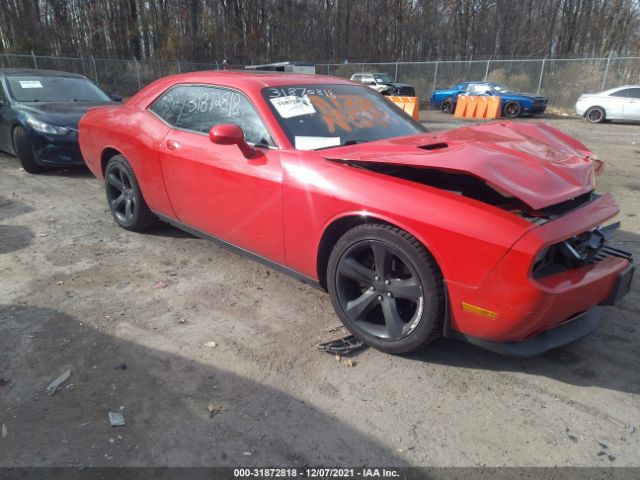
(407, 92)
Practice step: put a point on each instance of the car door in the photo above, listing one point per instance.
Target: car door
(631, 108)
(6, 116)
(614, 104)
(214, 188)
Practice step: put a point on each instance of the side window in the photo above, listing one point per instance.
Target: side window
(169, 105)
(481, 88)
(621, 93)
(198, 108)
(357, 78)
(634, 93)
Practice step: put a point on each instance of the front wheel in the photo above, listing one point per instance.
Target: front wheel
(512, 109)
(127, 205)
(386, 288)
(595, 115)
(24, 151)
(447, 106)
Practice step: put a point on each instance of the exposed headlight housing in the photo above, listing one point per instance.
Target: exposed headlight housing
(43, 127)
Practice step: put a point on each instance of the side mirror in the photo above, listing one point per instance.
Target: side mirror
(230, 134)
(116, 98)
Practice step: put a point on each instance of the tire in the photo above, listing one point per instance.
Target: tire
(386, 288)
(124, 197)
(446, 106)
(24, 151)
(595, 115)
(512, 109)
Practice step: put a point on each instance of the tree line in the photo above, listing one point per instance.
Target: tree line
(257, 31)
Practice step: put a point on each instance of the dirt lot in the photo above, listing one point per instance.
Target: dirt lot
(76, 292)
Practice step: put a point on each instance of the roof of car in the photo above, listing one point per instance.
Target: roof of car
(241, 79)
(621, 87)
(38, 72)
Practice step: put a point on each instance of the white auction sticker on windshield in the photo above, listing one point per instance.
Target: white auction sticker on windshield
(30, 84)
(293, 106)
(311, 143)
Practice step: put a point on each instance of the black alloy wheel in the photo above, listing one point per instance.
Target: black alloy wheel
(386, 288)
(125, 199)
(512, 110)
(446, 106)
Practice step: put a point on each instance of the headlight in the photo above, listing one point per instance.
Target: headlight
(43, 127)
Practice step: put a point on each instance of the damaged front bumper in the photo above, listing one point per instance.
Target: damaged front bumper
(538, 307)
(571, 330)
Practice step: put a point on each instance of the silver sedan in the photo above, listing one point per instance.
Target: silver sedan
(621, 103)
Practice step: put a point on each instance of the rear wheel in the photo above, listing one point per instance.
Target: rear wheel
(386, 288)
(446, 106)
(127, 205)
(512, 109)
(595, 115)
(24, 151)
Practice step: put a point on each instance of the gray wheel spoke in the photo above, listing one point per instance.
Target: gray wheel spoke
(115, 182)
(409, 288)
(117, 202)
(382, 259)
(351, 268)
(128, 209)
(361, 305)
(392, 318)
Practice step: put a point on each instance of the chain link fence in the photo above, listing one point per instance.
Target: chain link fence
(124, 77)
(561, 80)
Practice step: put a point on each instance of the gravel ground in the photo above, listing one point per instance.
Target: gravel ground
(76, 292)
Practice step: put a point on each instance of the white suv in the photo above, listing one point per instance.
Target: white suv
(382, 83)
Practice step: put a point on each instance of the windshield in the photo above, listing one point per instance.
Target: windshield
(34, 88)
(498, 87)
(382, 78)
(323, 116)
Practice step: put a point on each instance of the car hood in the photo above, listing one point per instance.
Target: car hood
(397, 85)
(63, 114)
(533, 162)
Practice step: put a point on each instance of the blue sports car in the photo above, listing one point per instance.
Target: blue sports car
(39, 114)
(512, 104)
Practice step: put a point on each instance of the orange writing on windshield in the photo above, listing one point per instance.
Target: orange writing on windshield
(346, 112)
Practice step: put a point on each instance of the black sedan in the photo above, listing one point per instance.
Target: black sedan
(39, 115)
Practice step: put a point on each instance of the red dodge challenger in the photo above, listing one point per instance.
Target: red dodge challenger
(492, 233)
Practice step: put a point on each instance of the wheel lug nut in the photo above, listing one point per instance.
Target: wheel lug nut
(371, 287)
(376, 278)
(379, 298)
(389, 294)
(387, 282)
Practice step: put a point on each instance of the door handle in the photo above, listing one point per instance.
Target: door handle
(172, 145)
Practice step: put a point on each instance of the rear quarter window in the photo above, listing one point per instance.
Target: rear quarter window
(621, 93)
(634, 93)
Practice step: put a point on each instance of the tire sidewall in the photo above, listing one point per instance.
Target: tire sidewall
(517, 114)
(432, 311)
(592, 109)
(121, 162)
(446, 106)
(24, 151)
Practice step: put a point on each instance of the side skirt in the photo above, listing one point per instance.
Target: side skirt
(241, 251)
